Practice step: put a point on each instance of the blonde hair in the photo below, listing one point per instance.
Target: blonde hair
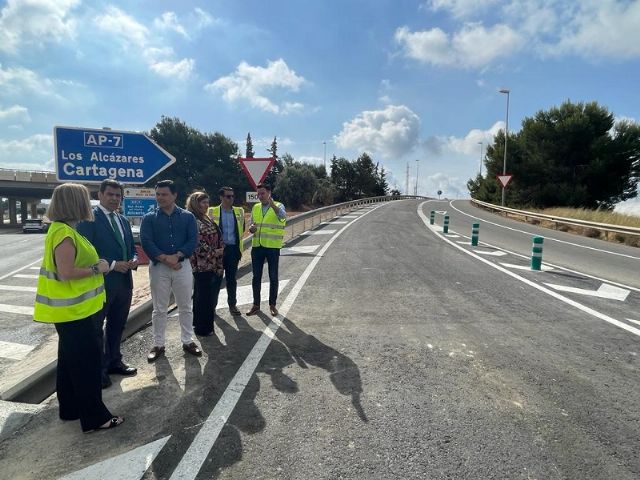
(70, 202)
(193, 203)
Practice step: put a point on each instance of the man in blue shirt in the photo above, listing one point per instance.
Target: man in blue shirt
(168, 236)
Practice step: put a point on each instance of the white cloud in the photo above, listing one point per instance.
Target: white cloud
(15, 113)
(252, 83)
(179, 70)
(460, 8)
(136, 37)
(35, 152)
(35, 22)
(471, 47)
(204, 19)
(467, 145)
(390, 132)
(169, 21)
(18, 81)
(451, 186)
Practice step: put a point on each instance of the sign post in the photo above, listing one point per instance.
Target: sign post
(92, 155)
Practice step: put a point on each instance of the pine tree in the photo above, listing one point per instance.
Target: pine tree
(249, 152)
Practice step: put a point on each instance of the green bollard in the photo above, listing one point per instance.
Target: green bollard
(536, 253)
(432, 217)
(445, 226)
(475, 232)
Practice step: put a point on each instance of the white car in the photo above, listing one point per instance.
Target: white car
(34, 225)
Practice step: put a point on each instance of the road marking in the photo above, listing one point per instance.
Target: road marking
(319, 232)
(334, 222)
(17, 288)
(198, 451)
(130, 465)
(244, 294)
(4, 308)
(34, 268)
(463, 242)
(14, 351)
(299, 249)
(562, 298)
(493, 253)
(25, 275)
(349, 216)
(604, 291)
(545, 236)
(544, 267)
(634, 321)
(14, 415)
(20, 269)
(451, 235)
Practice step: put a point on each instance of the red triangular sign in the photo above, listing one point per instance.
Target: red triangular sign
(504, 179)
(256, 169)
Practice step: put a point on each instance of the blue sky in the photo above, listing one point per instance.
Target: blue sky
(404, 80)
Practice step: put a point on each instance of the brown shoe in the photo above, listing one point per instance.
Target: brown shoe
(234, 310)
(155, 353)
(193, 349)
(274, 310)
(254, 310)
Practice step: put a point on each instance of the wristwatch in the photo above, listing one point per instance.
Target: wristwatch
(94, 269)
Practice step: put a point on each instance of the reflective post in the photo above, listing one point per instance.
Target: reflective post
(432, 217)
(445, 227)
(536, 253)
(475, 232)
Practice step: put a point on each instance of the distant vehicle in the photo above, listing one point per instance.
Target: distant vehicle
(34, 225)
(135, 229)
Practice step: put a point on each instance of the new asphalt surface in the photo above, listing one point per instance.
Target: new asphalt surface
(398, 353)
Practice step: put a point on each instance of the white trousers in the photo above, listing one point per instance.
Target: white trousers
(163, 281)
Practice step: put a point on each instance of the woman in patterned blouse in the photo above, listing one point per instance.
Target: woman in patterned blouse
(206, 263)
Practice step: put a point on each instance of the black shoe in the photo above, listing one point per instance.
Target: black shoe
(192, 348)
(123, 369)
(155, 353)
(234, 311)
(106, 381)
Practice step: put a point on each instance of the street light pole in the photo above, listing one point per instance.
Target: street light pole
(506, 137)
(325, 155)
(481, 143)
(416, 190)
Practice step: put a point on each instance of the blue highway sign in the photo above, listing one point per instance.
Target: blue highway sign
(89, 156)
(138, 207)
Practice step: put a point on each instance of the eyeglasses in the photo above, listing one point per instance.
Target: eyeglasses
(228, 196)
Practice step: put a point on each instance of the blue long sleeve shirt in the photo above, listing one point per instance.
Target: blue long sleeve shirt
(168, 234)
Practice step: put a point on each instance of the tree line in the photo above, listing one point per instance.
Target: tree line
(208, 161)
(574, 155)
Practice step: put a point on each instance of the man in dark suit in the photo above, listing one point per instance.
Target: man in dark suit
(110, 234)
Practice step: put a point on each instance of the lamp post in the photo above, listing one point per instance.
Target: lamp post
(325, 155)
(506, 136)
(480, 143)
(416, 189)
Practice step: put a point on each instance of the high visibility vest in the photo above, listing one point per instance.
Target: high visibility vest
(270, 229)
(214, 214)
(57, 300)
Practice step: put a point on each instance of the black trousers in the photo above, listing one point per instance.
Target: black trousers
(78, 382)
(116, 312)
(230, 260)
(206, 287)
(258, 256)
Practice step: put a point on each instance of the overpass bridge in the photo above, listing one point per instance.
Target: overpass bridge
(24, 189)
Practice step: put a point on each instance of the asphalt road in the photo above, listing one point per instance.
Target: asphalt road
(399, 353)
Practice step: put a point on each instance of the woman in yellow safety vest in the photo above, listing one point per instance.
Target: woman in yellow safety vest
(71, 295)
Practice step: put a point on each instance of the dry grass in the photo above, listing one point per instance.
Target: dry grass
(599, 216)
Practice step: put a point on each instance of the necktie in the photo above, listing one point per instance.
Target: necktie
(116, 230)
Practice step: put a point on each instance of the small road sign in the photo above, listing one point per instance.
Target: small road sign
(90, 156)
(252, 197)
(256, 169)
(504, 179)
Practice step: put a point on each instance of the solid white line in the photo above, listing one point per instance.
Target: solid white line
(334, 222)
(319, 232)
(16, 288)
(562, 298)
(201, 445)
(634, 321)
(4, 308)
(298, 249)
(20, 269)
(545, 236)
(496, 253)
(25, 275)
(525, 267)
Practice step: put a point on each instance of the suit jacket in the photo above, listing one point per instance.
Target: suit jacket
(101, 235)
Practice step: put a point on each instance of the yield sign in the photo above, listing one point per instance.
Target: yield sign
(504, 179)
(256, 169)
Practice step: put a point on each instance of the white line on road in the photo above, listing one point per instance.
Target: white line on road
(562, 298)
(17, 288)
(319, 232)
(201, 445)
(637, 322)
(544, 268)
(20, 269)
(334, 222)
(604, 291)
(299, 249)
(493, 253)
(4, 308)
(25, 275)
(14, 351)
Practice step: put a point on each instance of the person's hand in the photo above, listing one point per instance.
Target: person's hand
(133, 264)
(121, 266)
(103, 266)
(253, 228)
(171, 260)
(177, 266)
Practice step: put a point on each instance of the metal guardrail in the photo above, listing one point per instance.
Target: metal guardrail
(28, 176)
(606, 227)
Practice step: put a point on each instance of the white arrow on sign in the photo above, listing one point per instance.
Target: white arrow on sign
(127, 466)
(605, 291)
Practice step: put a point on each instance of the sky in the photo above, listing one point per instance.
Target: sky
(414, 83)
